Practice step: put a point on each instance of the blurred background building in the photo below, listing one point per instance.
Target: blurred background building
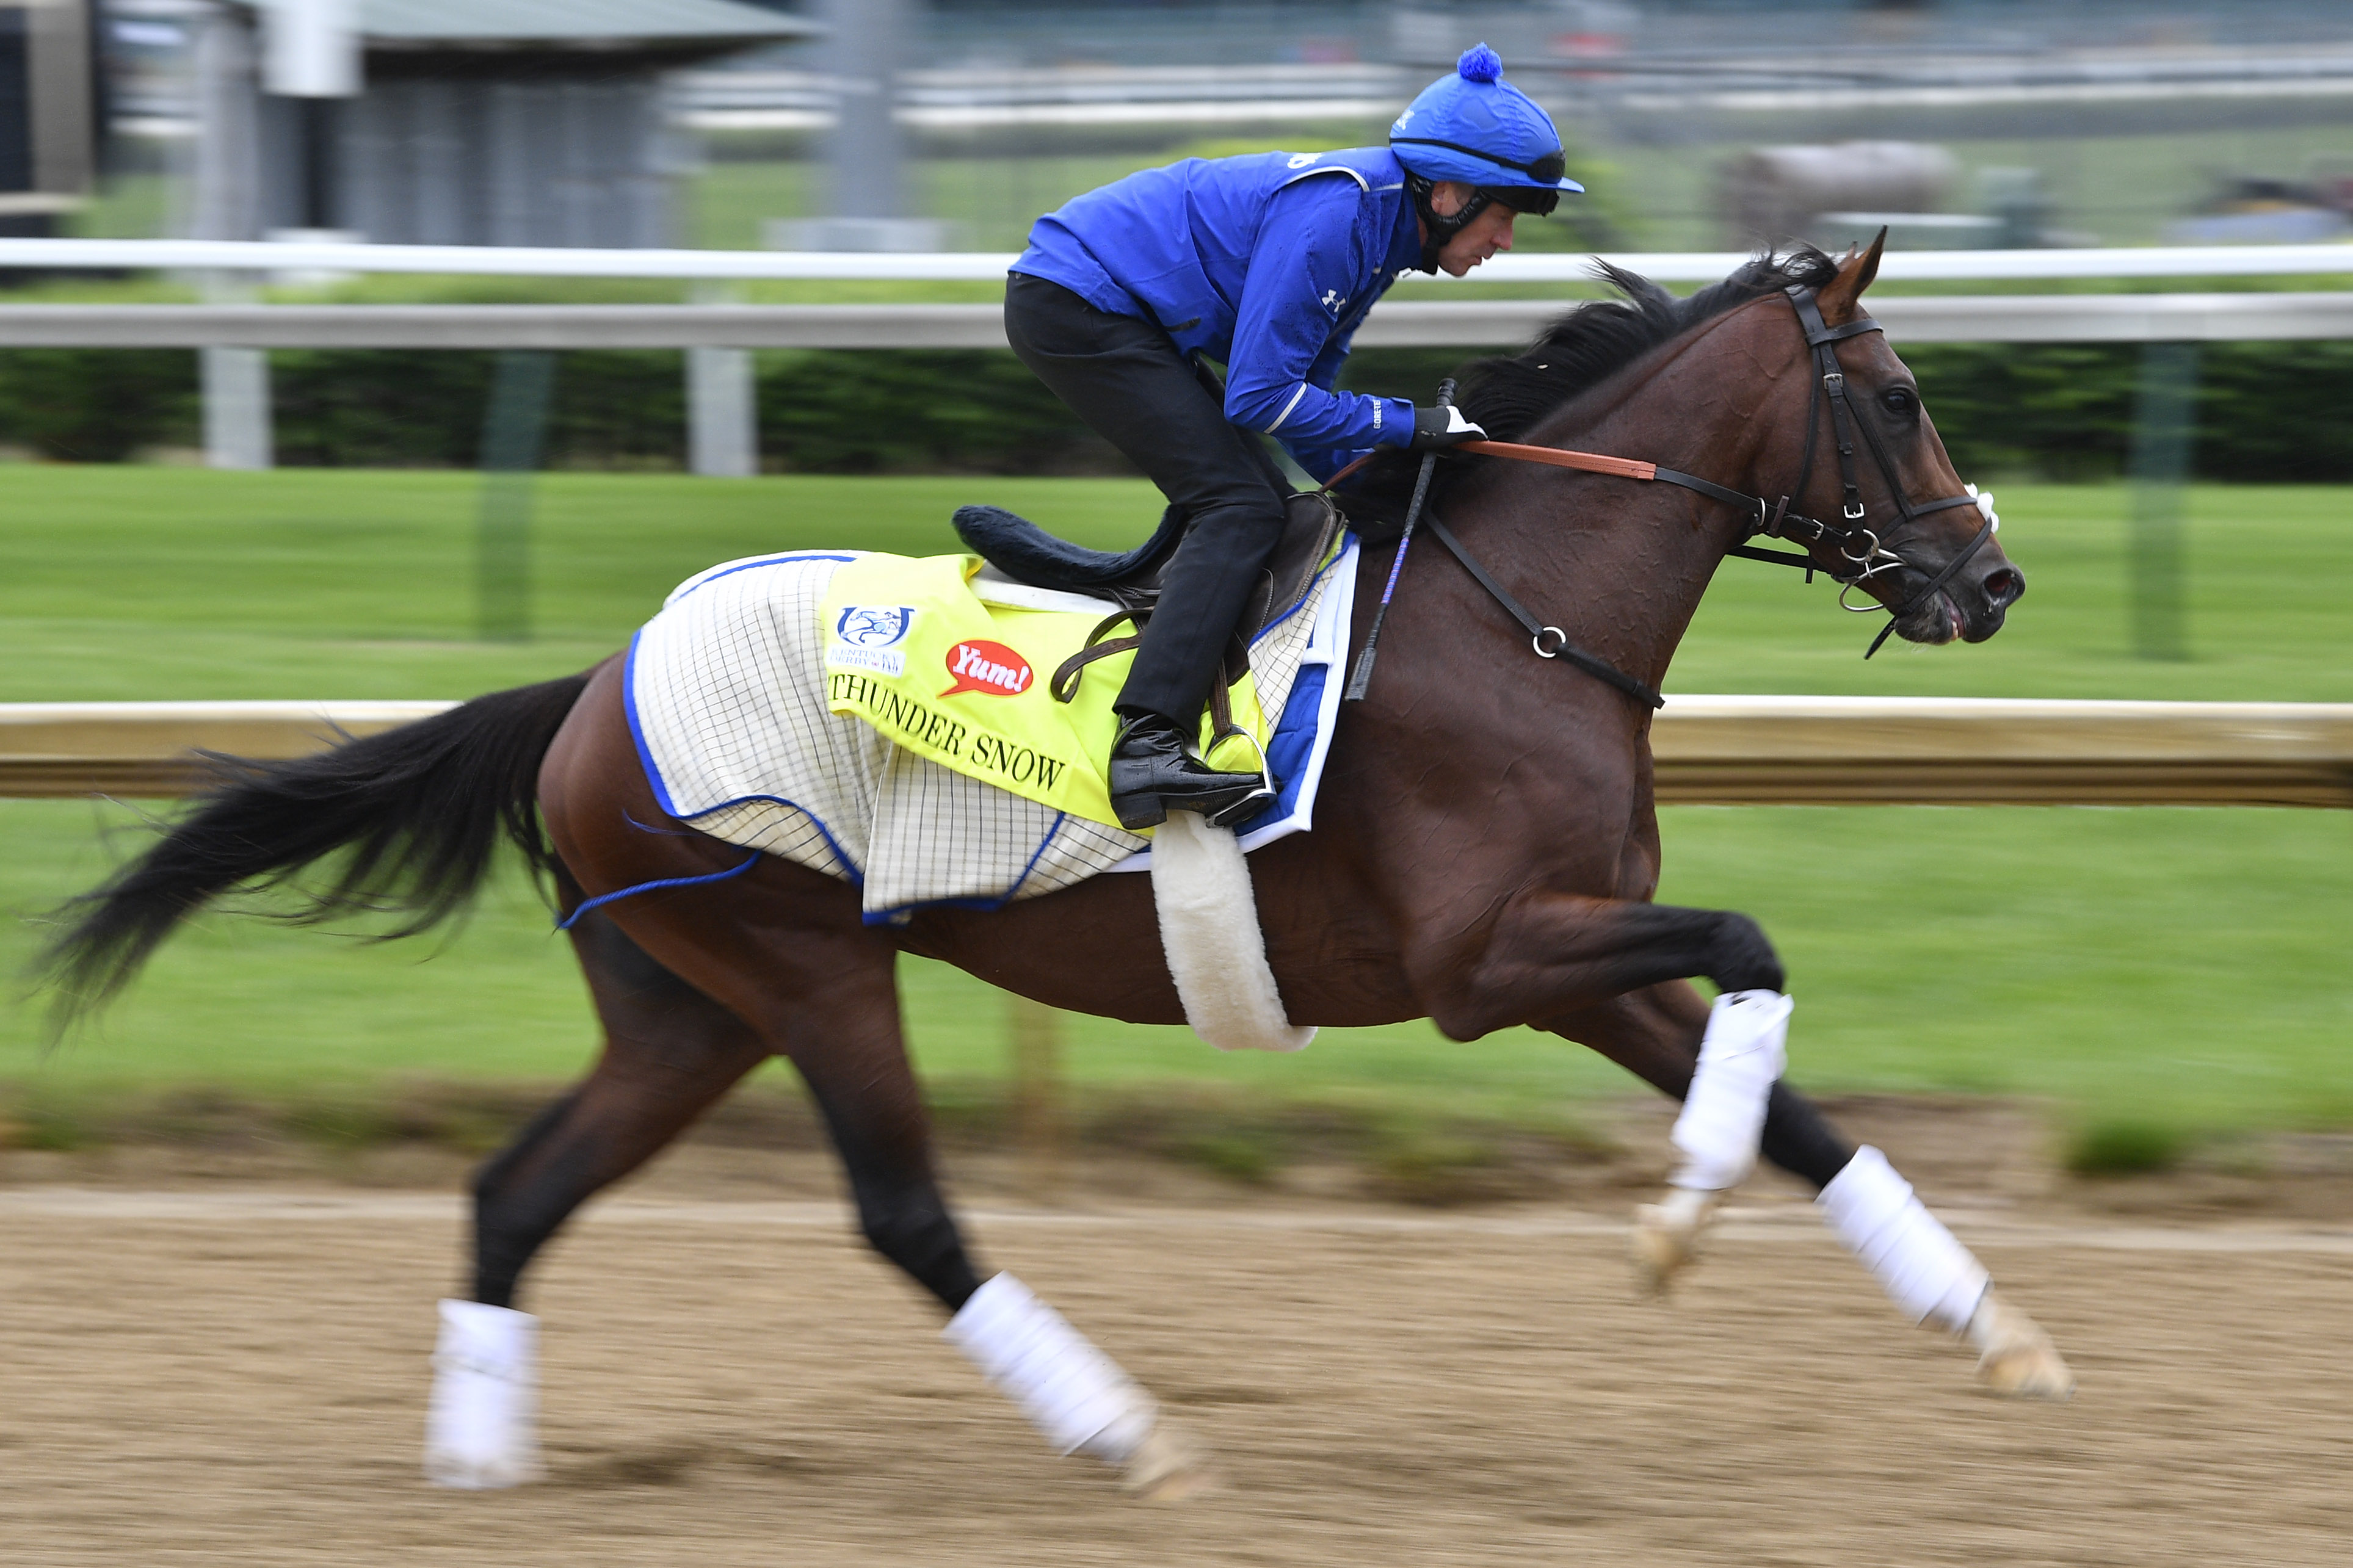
(950, 124)
(49, 113)
(449, 121)
(1705, 122)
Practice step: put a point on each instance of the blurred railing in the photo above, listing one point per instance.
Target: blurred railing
(1710, 750)
(274, 257)
(1394, 323)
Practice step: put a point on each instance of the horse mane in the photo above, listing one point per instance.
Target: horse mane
(1581, 350)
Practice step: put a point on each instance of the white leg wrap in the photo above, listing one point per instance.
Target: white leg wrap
(1740, 1058)
(480, 1429)
(1077, 1396)
(1930, 1276)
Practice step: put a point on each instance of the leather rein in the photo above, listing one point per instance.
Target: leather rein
(1856, 544)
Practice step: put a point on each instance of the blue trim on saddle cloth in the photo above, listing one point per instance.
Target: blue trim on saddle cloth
(1293, 740)
(1287, 750)
(661, 791)
(695, 584)
(1295, 752)
(1274, 623)
(638, 731)
(601, 900)
(904, 912)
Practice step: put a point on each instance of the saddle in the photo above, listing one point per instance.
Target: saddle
(1020, 550)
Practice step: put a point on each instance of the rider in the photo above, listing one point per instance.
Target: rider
(1268, 264)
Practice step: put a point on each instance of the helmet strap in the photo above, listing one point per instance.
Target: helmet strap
(1438, 229)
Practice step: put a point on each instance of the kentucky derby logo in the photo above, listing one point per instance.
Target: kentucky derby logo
(868, 626)
(866, 638)
(990, 667)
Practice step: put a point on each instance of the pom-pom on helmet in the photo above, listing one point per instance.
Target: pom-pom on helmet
(1478, 129)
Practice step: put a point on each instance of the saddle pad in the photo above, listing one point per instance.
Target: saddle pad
(726, 690)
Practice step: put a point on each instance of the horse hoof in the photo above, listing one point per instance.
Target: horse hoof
(1665, 1240)
(2027, 1372)
(479, 1473)
(2016, 1357)
(1167, 1466)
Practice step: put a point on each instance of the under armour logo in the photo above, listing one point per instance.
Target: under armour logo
(1301, 160)
(1333, 301)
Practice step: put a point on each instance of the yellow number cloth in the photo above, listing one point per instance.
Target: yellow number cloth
(913, 651)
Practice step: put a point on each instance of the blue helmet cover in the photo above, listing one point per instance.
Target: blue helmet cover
(1475, 127)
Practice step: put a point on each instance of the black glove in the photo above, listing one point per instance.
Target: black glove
(1436, 427)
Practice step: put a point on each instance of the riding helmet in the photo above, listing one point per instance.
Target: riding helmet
(1476, 128)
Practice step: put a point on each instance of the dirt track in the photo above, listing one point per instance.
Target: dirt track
(206, 1377)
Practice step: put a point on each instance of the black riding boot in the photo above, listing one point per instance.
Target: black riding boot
(1153, 772)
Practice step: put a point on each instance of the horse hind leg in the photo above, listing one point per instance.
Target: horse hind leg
(1075, 1395)
(670, 1053)
(1658, 1033)
(785, 950)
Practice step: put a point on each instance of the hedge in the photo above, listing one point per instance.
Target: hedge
(2272, 412)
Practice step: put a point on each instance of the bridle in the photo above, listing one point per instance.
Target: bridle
(1854, 542)
(1857, 545)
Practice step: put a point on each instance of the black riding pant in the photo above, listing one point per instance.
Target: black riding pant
(1126, 378)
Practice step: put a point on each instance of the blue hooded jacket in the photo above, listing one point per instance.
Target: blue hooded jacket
(1267, 263)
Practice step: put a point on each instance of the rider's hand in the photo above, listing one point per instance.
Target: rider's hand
(1436, 427)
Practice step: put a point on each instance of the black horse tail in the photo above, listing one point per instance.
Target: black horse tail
(417, 812)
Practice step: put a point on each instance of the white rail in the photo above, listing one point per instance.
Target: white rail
(717, 336)
(545, 261)
(1395, 323)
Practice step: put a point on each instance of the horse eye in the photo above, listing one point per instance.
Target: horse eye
(1900, 401)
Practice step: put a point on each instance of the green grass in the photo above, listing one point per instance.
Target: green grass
(130, 582)
(2164, 968)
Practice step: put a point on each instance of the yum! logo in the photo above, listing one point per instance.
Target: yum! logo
(989, 667)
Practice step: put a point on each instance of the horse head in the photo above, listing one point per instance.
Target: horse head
(1778, 374)
(1931, 559)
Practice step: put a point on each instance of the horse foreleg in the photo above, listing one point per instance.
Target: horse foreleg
(1656, 1034)
(1550, 955)
(669, 1052)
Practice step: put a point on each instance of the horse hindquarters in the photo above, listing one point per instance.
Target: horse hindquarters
(697, 984)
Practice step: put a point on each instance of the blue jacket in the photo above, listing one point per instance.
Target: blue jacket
(1267, 263)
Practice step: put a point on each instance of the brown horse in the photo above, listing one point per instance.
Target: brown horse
(1484, 855)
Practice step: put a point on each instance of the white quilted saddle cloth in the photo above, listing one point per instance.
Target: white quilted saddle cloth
(726, 702)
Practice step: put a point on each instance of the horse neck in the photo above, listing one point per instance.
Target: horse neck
(1626, 561)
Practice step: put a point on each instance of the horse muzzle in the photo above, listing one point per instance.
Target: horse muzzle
(1981, 595)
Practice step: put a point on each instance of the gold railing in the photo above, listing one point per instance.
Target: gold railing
(1723, 751)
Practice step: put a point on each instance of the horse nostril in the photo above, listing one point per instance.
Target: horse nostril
(2003, 588)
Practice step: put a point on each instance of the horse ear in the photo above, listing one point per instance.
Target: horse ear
(1840, 296)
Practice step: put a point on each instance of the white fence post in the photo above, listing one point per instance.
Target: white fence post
(723, 411)
(237, 408)
(235, 383)
(722, 416)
